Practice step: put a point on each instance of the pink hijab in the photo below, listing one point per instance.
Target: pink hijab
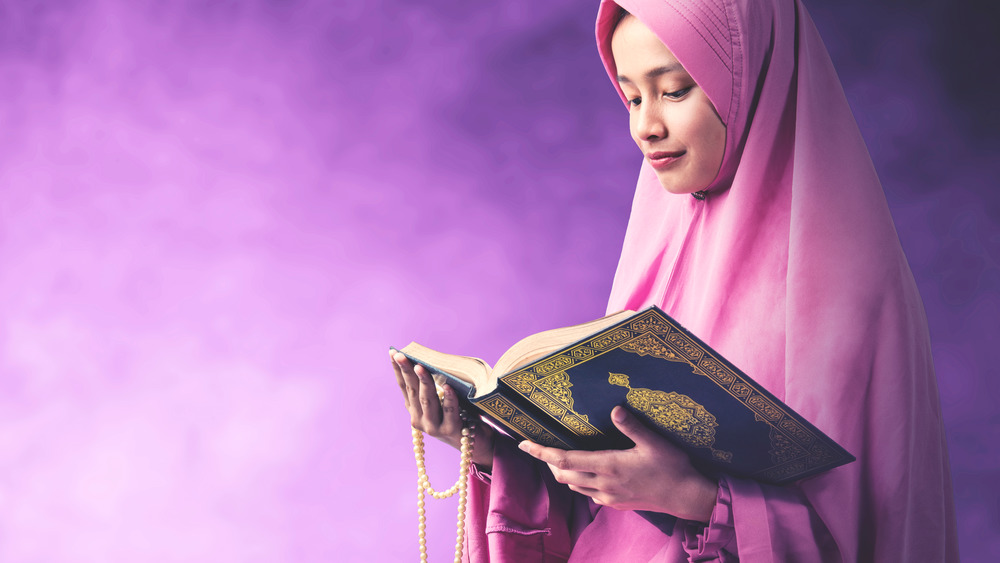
(792, 269)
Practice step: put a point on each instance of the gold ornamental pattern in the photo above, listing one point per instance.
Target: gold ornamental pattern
(546, 402)
(611, 340)
(718, 372)
(650, 324)
(520, 422)
(764, 407)
(579, 425)
(557, 386)
(685, 346)
(792, 426)
(522, 382)
(552, 394)
(649, 345)
(555, 364)
(676, 413)
(783, 449)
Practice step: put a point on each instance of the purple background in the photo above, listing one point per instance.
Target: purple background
(216, 216)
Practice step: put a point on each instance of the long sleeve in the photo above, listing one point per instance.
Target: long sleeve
(717, 540)
(778, 524)
(520, 513)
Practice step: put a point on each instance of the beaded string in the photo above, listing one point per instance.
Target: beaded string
(460, 486)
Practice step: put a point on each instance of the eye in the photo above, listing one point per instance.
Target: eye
(678, 94)
(634, 102)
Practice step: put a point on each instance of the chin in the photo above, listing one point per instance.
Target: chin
(683, 184)
(679, 189)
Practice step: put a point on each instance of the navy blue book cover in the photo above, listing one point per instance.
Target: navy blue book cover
(677, 385)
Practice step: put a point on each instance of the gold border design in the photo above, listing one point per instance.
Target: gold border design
(610, 340)
(545, 401)
(580, 425)
(520, 422)
(557, 387)
(521, 382)
(551, 393)
(764, 407)
(685, 346)
(649, 345)
(557, 363)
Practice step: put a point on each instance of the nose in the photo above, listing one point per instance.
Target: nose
(649, 122)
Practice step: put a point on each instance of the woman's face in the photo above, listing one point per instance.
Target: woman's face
(670, 117)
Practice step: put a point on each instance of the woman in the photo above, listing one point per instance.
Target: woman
(759, 223)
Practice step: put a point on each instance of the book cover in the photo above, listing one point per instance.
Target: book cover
(674, 382)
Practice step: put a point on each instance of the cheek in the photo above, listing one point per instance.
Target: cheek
(718, 141)
(711, 135)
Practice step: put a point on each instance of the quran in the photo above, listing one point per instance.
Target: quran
(558, 387)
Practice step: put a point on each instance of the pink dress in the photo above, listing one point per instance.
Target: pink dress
(792, 269)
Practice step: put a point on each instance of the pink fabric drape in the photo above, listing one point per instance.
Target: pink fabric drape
(792, 269)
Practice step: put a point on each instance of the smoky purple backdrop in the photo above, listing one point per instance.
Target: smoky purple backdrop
(215, 217)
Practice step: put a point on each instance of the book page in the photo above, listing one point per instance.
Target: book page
(466, 368)
(541, 344)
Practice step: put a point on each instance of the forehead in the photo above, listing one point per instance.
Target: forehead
(636, 49)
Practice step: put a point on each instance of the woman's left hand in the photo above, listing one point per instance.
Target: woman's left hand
(655, 475)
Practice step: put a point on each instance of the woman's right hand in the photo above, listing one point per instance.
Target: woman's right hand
(438, 417)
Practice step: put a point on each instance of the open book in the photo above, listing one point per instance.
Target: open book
(558, 387)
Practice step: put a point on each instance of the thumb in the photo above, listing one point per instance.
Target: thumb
(631, 426)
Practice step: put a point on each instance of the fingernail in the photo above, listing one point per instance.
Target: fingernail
(618, 414)
(524, 447)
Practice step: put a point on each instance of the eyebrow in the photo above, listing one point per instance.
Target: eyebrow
(654, 73)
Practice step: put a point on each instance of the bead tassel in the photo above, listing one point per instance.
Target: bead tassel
(460, 487)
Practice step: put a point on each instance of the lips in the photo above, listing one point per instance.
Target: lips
(664, 159)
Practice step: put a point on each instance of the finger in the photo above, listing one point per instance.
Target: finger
(561, 460)
(573, 478)
(632, 427)
(599, 497)
(588, 491)
(451, 422)
(412, 384)
(482, 451)
(430, 404)
(399, 378)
